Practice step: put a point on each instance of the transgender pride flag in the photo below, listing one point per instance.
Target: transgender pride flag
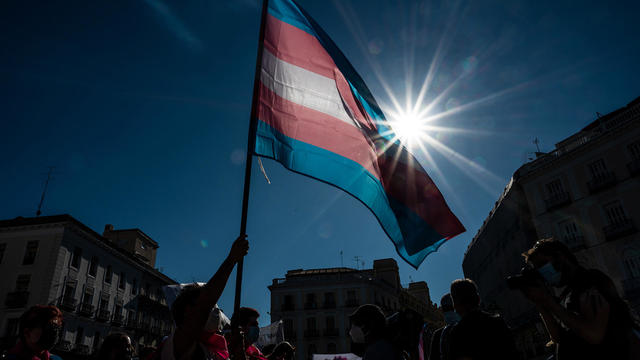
(316, 117)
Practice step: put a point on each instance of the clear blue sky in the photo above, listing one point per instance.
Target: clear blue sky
(143, 106)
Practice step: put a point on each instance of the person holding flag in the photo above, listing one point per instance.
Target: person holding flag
(192, 308)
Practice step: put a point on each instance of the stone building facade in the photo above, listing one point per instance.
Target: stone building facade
(315, 305)
(585, 193)
(102, 283)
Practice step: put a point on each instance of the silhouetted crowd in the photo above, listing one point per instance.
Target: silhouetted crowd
(583, 313)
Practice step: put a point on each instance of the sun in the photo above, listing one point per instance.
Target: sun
(408, 127)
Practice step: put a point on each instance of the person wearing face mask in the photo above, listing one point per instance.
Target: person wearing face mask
(440, 339)
(245, 332)
(192, 310)
(116, 346)
(40, 330)
(590, 320)
(478, 335)
(368, 329)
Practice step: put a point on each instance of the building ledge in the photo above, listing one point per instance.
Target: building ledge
(619, 229)
(602, 182)
(574, 242)
(558, 200)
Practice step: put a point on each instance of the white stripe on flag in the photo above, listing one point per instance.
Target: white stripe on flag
(303, 87)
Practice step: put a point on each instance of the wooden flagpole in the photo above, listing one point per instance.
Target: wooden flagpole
(251, 144)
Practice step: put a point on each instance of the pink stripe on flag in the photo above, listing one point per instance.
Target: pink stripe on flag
(297, 47)
(317, 129)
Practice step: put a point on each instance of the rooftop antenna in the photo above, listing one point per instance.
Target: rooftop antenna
(44, 191)
(537, 142)
(357, 260)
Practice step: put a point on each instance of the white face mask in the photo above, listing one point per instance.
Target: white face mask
(549, 273)
(213, 322)
(357, 335)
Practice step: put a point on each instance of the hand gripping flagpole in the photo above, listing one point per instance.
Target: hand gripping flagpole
(251, 144)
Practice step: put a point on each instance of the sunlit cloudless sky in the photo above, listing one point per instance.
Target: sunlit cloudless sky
(143, 108)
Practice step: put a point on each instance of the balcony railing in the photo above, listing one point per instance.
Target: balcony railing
(310, 305)
(64, 345)
(602, 182)
(288, 307)
(352, 303)
(310, 333)
(118, 320)
(68, 304)
(557, 200)
(575, 242)
(619, 229)
(156, 330)
(331, 332)
(103, 315)
(17, 299)
(86, 309)
(634, 167)
(151, 302)
(132, 323)
(81, 349)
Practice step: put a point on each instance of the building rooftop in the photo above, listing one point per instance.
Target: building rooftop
(137, 231)
(301, 272)
(66, 218)
(595, 130)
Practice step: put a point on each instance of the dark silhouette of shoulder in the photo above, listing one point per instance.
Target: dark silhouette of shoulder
(480, 335)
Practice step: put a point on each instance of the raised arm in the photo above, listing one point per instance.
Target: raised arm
(590, 324)
(187, 334)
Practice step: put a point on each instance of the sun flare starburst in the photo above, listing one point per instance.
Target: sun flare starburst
(428, 121)
(407, 126)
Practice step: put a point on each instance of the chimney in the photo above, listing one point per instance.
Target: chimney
(387, 270)
(107, 229)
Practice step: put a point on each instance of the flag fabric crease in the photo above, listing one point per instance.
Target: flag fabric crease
(316, 116)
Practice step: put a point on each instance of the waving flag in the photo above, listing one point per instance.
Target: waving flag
(316, 117)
